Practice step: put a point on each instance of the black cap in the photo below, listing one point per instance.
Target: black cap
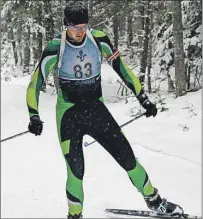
(76, 13)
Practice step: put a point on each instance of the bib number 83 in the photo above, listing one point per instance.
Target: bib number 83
(79, 72)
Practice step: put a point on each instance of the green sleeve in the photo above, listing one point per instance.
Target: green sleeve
(45, 66)
(113, 57)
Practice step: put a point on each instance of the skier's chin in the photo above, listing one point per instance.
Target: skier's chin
(79, 38)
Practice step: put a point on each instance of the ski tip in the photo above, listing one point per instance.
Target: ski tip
(188, 216)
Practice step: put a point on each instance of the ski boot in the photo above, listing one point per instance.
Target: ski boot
(162, 206)
(75, 216)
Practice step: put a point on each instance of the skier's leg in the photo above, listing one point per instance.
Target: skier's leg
(70, 137)
(108, 133)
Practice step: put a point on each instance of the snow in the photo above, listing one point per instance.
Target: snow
(34, 172)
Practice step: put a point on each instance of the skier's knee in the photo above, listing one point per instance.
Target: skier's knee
(128, 164)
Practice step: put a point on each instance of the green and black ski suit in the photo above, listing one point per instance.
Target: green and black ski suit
(80, 109)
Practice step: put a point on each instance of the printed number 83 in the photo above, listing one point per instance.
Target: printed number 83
(79, 72)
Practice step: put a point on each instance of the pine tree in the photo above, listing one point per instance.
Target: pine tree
(178, 49)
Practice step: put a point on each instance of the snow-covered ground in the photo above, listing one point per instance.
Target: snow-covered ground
(34, 172)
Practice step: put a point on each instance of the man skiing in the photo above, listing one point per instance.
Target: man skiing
(76, 56)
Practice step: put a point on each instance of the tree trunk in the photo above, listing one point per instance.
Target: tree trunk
(90, 8)
(13, 42)
(48, 21)
(129, 25)
(188, 73)
(37, 38)
(150, 53)
(116, 22)
(20, 53)
(140, 21)
(26, 50)
(12, 39)
(146, 45)
(149, 78)
(115, 31)
(34, 48)
(170, 83)
(19, 34)
(180, 74)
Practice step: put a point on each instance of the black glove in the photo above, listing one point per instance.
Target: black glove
(151, 109)
(36, 125)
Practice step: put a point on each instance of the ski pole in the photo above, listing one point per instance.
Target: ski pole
(126, 123)
(14, 136)
(137, 117)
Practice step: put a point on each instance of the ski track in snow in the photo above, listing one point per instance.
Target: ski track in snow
(34, 174)
(171, 155)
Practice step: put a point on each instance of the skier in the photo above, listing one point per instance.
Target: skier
(76, 55)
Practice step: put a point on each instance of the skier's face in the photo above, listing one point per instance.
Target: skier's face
(77, 32)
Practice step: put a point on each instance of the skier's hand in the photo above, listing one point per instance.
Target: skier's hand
(151, 109)
(36, 125)
(145, 102)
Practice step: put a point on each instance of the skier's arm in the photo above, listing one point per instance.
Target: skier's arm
(113, 57)
(45, 66)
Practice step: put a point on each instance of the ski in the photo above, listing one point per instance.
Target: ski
(141, 213)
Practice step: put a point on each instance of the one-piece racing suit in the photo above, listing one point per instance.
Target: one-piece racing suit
(80, 109)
